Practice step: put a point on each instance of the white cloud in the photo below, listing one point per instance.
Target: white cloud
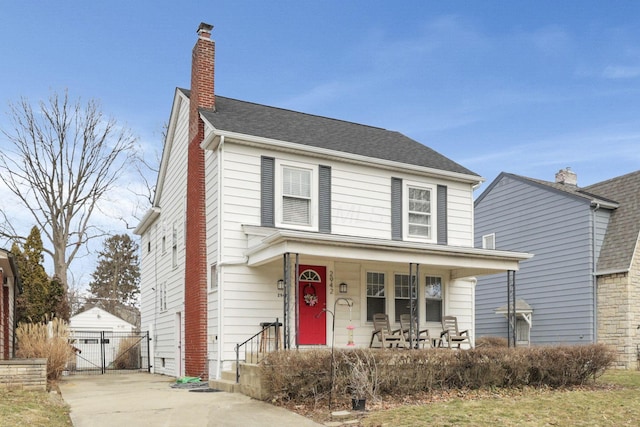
(621, 72)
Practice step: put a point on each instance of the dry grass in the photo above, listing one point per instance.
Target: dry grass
(46, 340)
(128, 353)
(32, 408)
(613, 401)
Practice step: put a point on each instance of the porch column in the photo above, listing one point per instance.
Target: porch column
(511, 308)
(285, 299)
(414, 285)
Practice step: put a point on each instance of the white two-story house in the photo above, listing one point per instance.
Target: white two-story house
(263, 213)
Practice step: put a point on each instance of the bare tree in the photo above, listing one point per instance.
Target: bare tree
(66, 157)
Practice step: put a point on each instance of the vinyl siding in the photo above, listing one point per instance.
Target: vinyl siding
(156, 266)
(211, 187)
(556, 282)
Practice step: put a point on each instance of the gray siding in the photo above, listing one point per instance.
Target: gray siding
(601, 217)
(557, 281)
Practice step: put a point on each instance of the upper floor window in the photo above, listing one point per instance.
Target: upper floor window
(213, 278)
(419, 219)
(296, 196)
(489, 241)
(174, 246)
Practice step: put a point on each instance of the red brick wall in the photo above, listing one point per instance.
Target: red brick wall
(195, 316)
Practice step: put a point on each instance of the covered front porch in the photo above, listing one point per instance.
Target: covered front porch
(331, 286)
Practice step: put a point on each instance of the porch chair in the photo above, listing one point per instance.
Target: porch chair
(451, 335)
(420, 337)
(386, 336)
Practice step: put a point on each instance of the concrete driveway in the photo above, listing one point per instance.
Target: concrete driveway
(148, 400)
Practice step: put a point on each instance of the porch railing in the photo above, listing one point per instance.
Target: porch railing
(260, 343)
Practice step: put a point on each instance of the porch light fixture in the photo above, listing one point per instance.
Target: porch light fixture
(343, 288)
(280, 285)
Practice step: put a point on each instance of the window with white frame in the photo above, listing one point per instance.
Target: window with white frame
(213, 279)
(433, 298)
(162, 295)
(419, 212)
(375, 294)
(402, 295)
(174, 245)
(489, 241)
(296, 196)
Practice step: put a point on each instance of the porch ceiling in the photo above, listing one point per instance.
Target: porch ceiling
(270, 244)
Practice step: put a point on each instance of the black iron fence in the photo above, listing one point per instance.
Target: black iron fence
(101, 352)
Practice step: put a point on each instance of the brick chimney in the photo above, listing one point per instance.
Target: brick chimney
(195, 291)
(566, 176)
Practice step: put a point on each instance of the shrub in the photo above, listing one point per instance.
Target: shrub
(489, 341)
(128, 354)
(304, 376)
(46, 340)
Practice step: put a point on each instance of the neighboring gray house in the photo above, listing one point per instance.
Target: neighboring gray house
(583, 284)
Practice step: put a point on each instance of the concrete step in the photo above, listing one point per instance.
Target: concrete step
(228, 375)
(229, 386)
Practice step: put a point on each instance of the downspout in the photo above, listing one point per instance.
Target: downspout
(220, 332)
(474, 283)
(594, 278)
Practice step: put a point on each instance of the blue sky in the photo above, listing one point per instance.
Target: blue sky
(526, 87)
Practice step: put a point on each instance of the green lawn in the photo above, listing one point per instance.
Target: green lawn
(32, 408)
(615, 405)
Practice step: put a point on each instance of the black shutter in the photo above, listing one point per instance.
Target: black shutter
(442, 214)
(267, 192)
(396, 208)
(324, 199)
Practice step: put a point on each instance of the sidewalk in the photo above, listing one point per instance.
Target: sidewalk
(148, 400)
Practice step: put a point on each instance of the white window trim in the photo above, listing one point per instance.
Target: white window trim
(489, 238)
(213, 277)
(405, 212)
(313, 207)
(174, 245)
(389, 286)
(370, 269)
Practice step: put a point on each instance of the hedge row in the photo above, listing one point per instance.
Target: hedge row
(304, 376)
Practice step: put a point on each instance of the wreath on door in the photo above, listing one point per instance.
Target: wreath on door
(310, 297)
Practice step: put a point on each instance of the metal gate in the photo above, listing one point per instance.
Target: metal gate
(102, 352)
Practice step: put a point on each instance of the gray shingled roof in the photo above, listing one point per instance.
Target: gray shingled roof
(580, 192)
(624, 225)
(285, 125)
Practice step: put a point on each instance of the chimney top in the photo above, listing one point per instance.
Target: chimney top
(567, 177)
(204, 29)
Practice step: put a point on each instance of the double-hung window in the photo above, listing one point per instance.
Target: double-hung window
(433, 298)
(420, 214)
(375, 294)
(296, 196)
(401, 290)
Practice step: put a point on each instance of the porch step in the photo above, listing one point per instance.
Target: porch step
(228, 375)
(229, 386)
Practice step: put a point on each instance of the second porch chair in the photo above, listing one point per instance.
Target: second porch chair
(386, 336)
(420, 337)
(451, 335)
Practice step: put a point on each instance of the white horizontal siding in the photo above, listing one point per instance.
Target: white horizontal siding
(156, 266)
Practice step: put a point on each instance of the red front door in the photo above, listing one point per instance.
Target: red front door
(312, 299)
